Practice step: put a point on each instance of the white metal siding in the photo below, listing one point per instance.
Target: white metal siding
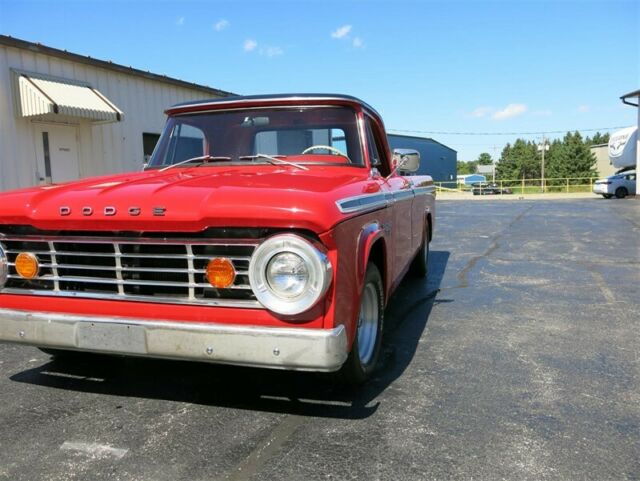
(104, 149)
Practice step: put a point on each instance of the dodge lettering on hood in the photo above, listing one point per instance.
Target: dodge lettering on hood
(265, 231)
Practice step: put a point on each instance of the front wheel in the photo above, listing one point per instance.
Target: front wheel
(420, 264)
(607, 196)
(621, 193)
(365, 350)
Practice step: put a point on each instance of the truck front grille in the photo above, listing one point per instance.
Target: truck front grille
(142, 269)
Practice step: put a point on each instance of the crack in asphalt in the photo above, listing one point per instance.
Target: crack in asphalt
(462, 276)
(602, 285)
(262, 453)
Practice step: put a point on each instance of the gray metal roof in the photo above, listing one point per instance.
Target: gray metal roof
(631, 95)
(106, 64)
(635, 93)
(391, 133)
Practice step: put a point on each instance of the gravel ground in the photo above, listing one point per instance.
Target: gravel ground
(518, 359)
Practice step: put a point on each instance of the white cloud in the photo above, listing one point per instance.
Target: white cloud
(511, 110)
(583, 109)
(249, 45)
(220, 25)
(271, 51)
(357, 42)
(480, 112)
(180, 21)
(341, 32)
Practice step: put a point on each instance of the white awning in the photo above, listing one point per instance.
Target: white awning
(47, 98)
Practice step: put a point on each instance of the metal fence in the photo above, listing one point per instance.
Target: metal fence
(522, 186)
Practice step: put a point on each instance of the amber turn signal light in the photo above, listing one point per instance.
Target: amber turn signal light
(27, 265)
(220, 272)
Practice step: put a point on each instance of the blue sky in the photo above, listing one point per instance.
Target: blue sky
(457, 66)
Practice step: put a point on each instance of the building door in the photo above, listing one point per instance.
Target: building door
(56, 153)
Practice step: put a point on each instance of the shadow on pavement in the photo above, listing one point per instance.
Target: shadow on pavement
(304, 394)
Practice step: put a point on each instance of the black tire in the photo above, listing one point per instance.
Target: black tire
(607, 196)
(357, 370)
(420, 264)
(621, 193)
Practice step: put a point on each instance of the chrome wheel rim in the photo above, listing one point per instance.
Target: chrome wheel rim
(368, 323)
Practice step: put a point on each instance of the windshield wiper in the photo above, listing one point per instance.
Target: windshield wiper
(273, 159)
(201, 158)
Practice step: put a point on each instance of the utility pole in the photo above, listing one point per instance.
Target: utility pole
(542, 148)
(493, 163)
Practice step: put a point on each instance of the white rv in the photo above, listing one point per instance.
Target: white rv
(622, 148)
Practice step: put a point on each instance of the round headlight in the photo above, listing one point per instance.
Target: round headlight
(288, 274)
(4, 267)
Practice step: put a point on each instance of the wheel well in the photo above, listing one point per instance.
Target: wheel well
(377, 256)
(429, 228)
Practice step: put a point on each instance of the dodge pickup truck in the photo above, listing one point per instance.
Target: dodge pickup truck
(265, 231)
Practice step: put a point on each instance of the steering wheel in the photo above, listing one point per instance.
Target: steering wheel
(325, 147)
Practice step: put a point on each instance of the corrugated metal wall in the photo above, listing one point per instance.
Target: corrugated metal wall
(436, 160)
(603, 164)
(108, 148)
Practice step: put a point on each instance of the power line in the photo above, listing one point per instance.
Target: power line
(437, 132)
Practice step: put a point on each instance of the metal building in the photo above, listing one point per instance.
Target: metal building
(65, 116)
(436, 159)
(603, 163)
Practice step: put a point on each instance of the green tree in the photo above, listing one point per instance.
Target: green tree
(484, 159)
(519, 160)
(570, 157)
(466, 168)
(597, 139)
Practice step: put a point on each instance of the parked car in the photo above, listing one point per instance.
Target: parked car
(621, 185)
(266, 231)
(485, 188)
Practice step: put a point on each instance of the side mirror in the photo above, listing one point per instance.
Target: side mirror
(406, 160)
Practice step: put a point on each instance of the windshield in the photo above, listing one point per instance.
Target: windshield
(327, 135)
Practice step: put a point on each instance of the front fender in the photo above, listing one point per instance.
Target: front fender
(369, 234)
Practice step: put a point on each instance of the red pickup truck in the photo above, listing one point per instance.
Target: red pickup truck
(265, 231)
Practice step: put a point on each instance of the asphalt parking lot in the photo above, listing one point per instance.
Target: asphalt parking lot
(518, 359)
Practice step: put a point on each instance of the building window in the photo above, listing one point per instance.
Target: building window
(149, 142)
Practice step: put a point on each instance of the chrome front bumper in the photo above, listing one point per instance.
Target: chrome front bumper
(272, 347)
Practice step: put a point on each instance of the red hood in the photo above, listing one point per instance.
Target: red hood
(193, 199)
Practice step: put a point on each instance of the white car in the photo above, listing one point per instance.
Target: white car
(621, 185)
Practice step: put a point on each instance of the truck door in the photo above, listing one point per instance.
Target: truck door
(398, 221)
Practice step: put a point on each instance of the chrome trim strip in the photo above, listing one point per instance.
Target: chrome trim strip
(211, 302)
(116, 249)
(424, 190)
(364, 202)
(192, 279)
(53, 266)
(89, 267)
(124, 282)
(403, 194)
(274, 347)
(242, 102)
(367, 202)
(132, 240)
(148, 256)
